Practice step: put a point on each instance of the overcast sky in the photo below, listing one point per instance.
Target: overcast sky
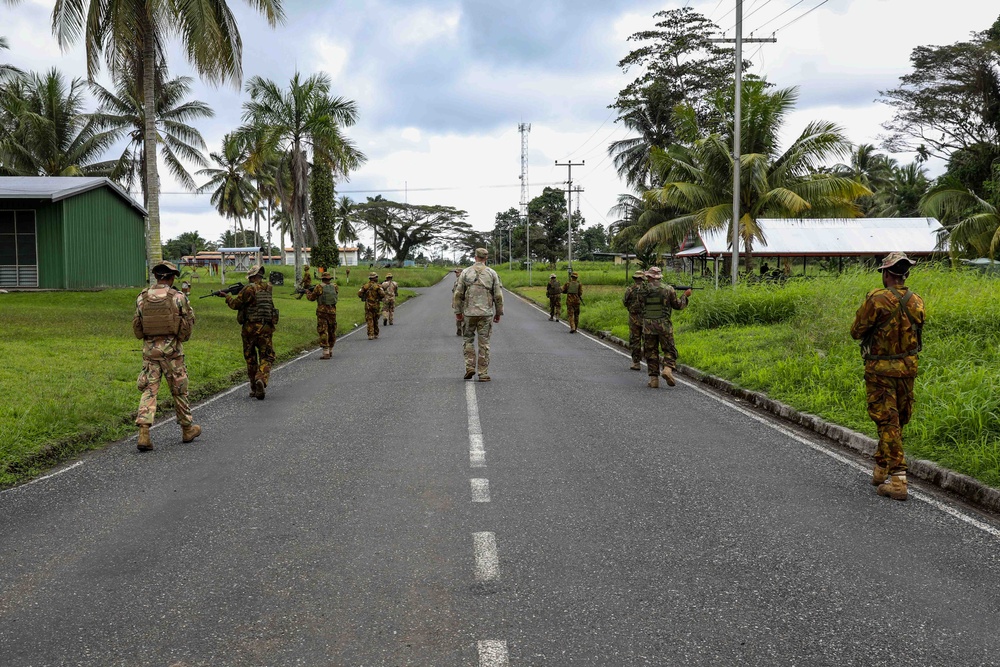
(441, 85)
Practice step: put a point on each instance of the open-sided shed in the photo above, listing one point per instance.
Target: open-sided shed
(63, 232)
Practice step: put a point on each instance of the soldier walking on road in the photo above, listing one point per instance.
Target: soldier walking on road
(553, 290)
(478, 302)
(255, 310)
(372, 294)
(391, 288)
(163, 320)
(634, 302)
(657, 330)
(574, 297)
(889, 325)
(459, 325)
(325, 296)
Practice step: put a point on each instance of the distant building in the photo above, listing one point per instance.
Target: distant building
(348, 256)
(63, 232)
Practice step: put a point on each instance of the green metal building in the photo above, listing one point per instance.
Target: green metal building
(70, 233)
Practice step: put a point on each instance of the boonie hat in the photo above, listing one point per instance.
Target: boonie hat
(894, 258)
(574, 275)
(325, 276)
(256, 270)
(654, 272)
(388, 275)
(552, 275)
(373, 275)
(638, 274)
(165, 269)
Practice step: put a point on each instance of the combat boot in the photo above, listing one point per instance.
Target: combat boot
(385, 321)
(654, 382)
(894, 487)
(144, 444)
(259, 386)
(668, 375)
(469, 372)
(635, 367)
(190, 432)
(879, 474)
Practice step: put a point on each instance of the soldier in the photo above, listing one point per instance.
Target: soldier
(391, 289)
(889, 325)
(658, 332)
(307, 281)
(574, 297)
(255, 310)
(459, 325)
(372, 294)
(325, 294)
(186, 288)
(553, 290)
(634, 302)
(163, 320)
(478, 299)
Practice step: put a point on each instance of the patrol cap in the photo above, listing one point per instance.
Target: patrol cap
(325, 276)
(482, 253)
(255, 270)
(638, 275)
(898, 261)
(654, 272)
(165, 269)
(373, 275)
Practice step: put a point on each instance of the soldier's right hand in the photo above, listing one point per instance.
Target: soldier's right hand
(459, 316)
(687, 292)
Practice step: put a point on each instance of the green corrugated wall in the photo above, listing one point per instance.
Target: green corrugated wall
(49, 238)
(104, 241)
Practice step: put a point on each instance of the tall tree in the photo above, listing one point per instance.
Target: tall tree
(901, 197)
(233, 193)
(345, 221)
(128, 33)
(323, 212)
(871, 169)
(405, 227)
(293, 122)
(972, 224)
(548, 210)
(188, 243)
(122, 111)
(593, 239)
(7, 71)
(50, 132)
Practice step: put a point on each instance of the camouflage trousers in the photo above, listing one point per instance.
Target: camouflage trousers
(326, 327)
(658, 336)
(573, 314)
(371, 319)
(388, 309)
(555, 307)
(890, 406)
(635, 336)
(258, 351)
(477, 326)
(174, 370)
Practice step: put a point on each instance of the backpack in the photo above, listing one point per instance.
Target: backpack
(160, 315)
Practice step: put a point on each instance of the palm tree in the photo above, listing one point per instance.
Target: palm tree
(871, 169)
(293, 122)
(50, 133)
(132, 36)
(122, 111)
(345, 225)
(7, 71)
(972, 224)
(233, 193)
(901, 197)
(697, 177)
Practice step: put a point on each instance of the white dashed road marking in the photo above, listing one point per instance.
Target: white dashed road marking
(480, 490)
(477, 453)
(487, 564)
(493, 653)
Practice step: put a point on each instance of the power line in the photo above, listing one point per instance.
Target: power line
(715, 9)
(754, 11)
(779, 15)
(594, 134)
(381, 190)
(803, 15)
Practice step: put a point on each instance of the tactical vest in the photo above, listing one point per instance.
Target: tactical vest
(655, 304)
(262, 308)
(901, 312)
(160, 315)
(390, 288)
(479, 285)
(553, 289)
(573, 287)
(329, 295)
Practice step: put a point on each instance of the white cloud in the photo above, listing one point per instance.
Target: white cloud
(331, 57)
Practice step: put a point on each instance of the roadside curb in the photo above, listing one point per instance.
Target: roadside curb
(967, 487)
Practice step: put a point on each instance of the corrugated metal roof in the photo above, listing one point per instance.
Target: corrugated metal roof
(831, 237)
(57, 188)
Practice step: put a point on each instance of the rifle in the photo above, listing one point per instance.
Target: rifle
(232, 289)
(684, 288)
(302, 290)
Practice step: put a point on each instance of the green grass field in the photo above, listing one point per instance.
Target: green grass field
(68, 362)
(793, 343)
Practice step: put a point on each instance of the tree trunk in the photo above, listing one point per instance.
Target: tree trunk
(154, 252)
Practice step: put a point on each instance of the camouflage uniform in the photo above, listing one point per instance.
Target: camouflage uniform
(657, 329)
(307, 281)
(574, 297)
(391, 289)
(459, 324)
(553, 290)
(891, 341)
(633, 301)
(163, 357)
(478, 298)
(326, 316)
(372, 294)
(258, 349)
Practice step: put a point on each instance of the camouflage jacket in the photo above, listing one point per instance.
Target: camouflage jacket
(246, 298)
(885, 331)
(317, 292)
(631, 300)
(553, 288)
(391, 289)
(155, 347)
(671, 300)
(479, 292)
(372, 294)
(573, 299)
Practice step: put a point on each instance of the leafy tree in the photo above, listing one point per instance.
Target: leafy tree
(122, 112)
(775, 183)
(951, 99)
(871, 169)
(973, 167)
(592, 239)
(678, 65)
(290, 123)
(972, 223)
(188, 243)
(405, 227)
(322, 204)
(233, 193)
(7, 71)
(132, 36)
(548, 211)
(242, 239)
(50, 132)
(345, 220)
(901, 197)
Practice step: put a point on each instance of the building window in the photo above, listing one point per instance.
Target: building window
(18, 249)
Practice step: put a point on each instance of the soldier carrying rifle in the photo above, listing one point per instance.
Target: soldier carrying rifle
(657, 330)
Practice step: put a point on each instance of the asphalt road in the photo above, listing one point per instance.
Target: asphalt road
(377, 510)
